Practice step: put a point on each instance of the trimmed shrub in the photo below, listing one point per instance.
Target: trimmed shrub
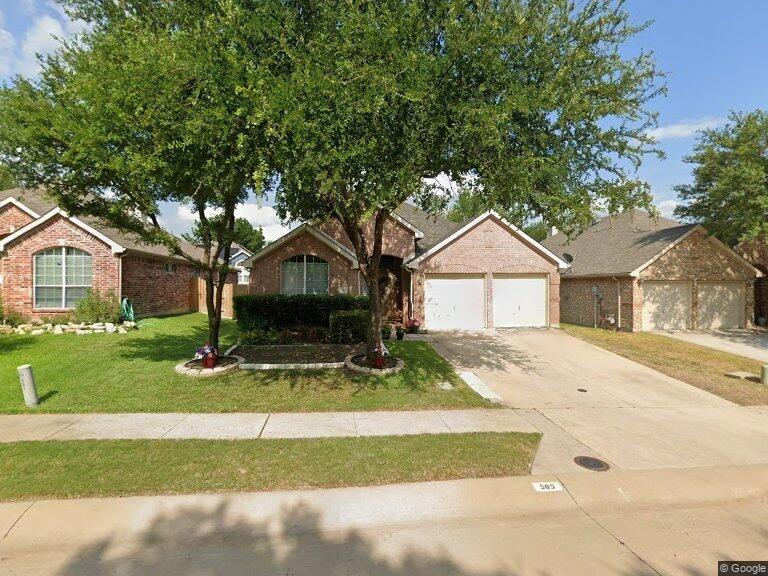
(264, 311)
(260, 337)
(98, 307)
(349, 326)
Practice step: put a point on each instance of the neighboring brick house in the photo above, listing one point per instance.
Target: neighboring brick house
(634, 272)
(49, 260)
(482, 273)
(756, 252)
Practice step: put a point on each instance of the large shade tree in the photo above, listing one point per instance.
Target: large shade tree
(729, 193)
(533, 102)
(144, 109)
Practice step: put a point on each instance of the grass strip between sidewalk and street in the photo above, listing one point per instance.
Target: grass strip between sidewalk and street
(696, 365)
(92, 468)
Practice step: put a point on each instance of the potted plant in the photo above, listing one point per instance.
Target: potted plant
(208, 355)
(378, 362)
(386, 331)
(399, 332)
(413, 326)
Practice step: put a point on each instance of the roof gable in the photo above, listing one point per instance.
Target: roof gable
(303, 229)
(533, 244)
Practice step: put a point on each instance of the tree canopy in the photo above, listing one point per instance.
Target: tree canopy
(729, 193)
(245, 234)
(142, 109)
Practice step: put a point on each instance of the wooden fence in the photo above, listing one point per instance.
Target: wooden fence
(231, 289)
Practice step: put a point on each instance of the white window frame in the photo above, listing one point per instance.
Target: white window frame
(304, 273)
(63, 284)
(169, 268)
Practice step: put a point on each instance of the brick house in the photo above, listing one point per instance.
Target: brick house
(482, 273)
(49, 260)
(756, 252)
(634, 272)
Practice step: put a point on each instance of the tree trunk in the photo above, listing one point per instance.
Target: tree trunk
(374, 343)
(214, 314)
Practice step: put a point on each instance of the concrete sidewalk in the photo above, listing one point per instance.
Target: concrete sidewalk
(14, 428)
(619, 522)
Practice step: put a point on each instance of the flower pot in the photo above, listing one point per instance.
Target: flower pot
(385, 335)
(378, 362)
(400, 335)
(210, 361)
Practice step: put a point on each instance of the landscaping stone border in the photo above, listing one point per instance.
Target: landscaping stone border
(207, 372)
(37, 328)
(373, 371)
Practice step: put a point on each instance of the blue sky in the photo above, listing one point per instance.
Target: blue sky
(715, 54)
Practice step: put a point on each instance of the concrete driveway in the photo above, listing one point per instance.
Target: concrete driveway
(748, 343)
(588, 401)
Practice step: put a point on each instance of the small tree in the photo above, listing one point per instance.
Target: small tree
(729, 193)
(144, 109)
(245, 234)
(531, 101)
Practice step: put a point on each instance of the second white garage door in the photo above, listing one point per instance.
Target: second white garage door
(666, 305)
(454, 301)
(721, 305)
(519, 301)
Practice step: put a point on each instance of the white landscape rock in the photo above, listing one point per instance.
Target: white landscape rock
(121, 330)
(58, 329)
(110, 328)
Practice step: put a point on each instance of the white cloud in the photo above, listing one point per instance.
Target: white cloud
(7, 45)
(685, 128)
(667, 207)
(256, 214)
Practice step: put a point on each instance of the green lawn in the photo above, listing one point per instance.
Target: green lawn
(696, 365)
(134, 373)
(74, 469)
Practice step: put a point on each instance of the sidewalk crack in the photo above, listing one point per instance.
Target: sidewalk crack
(18, 519)
(264, 425)
(163, 435)
(606, 530)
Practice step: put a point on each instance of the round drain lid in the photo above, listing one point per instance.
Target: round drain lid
(594, 464)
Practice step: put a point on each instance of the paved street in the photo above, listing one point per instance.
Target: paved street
(620, 522)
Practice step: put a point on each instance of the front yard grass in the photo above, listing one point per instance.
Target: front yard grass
(72, 469)
(134, 372)
(696, 365)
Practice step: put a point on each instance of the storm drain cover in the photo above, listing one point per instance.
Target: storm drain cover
(590, 463)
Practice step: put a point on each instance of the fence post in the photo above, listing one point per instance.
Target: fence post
(764, 374)
(28, 387)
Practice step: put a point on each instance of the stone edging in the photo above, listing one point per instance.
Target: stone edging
(312, 366)
(207, 372)
(373, 371)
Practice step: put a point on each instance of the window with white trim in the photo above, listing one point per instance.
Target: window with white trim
(63, 277)
(304, 274)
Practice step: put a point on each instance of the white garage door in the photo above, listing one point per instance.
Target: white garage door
(721, 305)
(519, 301)
(666, 305)
(454, 302)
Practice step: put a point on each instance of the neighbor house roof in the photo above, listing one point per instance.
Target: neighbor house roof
(39, 203)
(623, 244)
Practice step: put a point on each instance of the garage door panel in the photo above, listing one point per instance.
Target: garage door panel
(666, 305)
(519, 301)
(454, 302)
(721, 305)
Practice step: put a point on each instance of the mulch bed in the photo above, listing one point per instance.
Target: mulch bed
(297, 353)
(223, 361)
(360, 360)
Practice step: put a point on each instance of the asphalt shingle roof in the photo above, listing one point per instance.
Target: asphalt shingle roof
(617, 245)
(38, 202)
(435, 228)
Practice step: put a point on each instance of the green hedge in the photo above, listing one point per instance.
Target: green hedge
(349, 326)
(263, 311)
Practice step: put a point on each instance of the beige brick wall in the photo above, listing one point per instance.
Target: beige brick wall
(154, 291)
(266, 272)
(397, 240)
(12, 218)
(577, 302)
(696, 259)
(756, 251)
(487, 249)
(17, 261)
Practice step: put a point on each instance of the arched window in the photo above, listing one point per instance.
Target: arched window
(63, 276)
(305, 274)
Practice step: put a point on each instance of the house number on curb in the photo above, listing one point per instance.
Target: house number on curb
(547, 486)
